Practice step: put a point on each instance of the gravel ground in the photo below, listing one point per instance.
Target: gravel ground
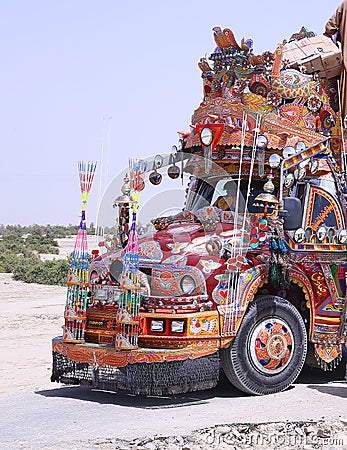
(274, 436)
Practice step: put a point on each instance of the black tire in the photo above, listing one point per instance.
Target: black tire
(270, 347)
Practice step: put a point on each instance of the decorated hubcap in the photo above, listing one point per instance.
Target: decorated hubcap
(271, 345)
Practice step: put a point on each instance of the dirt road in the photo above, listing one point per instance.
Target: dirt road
(77, 417)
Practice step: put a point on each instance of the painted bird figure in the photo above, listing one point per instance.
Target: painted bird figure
(219, 38)
(247, 45)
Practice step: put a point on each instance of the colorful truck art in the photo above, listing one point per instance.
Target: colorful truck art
(252, 271)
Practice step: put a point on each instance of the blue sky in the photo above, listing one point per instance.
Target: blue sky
(68, 66)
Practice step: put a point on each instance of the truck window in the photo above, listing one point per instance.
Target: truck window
(203, 193)
(300, 190)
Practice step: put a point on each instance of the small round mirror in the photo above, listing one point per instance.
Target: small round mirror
(300, 146)
(173, 172)
(155, 178)
(301, 173)
(262, 141)
(314, 164)
(206, 136)
(158, 161)
(288, 152)
(174, 150)
(299, 235)
(321, 233)
(342, 236)
(289, 180)
(274, 161)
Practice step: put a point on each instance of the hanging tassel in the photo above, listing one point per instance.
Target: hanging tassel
(273, 245)
(272, 276)
(128, 314)
(282, 248)
(278, 269)
(77, 283)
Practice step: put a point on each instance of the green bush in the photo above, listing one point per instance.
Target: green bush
(8, 262)
(12, 244)
(25, 267)
(19, 246)
(33, 270)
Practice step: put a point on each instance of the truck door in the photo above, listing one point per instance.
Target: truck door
(325, 263)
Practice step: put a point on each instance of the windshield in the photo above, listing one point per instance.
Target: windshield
(222, 192)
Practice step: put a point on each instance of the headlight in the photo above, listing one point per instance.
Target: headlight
(321, 233)
(188, 284)
(299, 235)
(157, 325)
(101, 294)
(342, 236)
(177, 326)
(116, 295)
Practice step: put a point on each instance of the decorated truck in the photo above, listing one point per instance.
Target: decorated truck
(252, 271)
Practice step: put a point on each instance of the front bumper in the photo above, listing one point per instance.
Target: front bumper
(142, 371)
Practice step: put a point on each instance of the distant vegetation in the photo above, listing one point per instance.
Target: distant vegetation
(21, 246)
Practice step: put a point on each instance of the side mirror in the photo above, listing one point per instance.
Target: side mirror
(293, 213)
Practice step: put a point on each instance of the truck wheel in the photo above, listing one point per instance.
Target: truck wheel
(270, 347)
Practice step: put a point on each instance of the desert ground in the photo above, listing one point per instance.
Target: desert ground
(313, 411)
(30, 315)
